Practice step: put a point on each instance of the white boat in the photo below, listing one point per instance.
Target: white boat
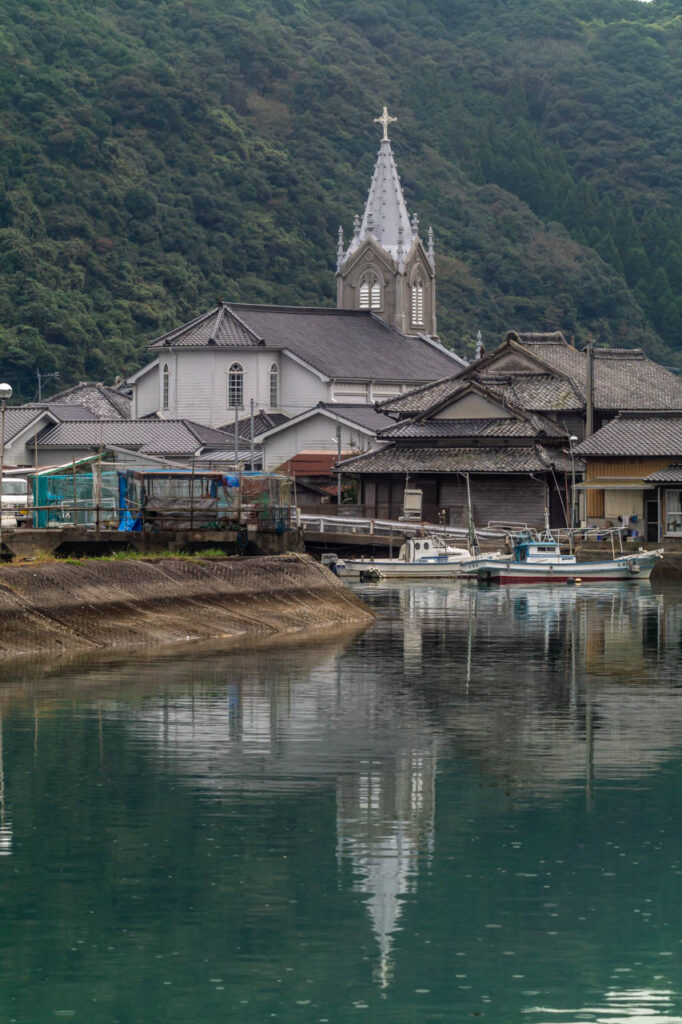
(419, 558)
(540, 560)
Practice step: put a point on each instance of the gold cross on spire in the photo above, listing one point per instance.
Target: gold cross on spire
(385, 119)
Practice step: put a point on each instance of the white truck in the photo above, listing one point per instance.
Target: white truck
(16, 501)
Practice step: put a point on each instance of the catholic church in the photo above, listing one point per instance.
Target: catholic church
(380, 341)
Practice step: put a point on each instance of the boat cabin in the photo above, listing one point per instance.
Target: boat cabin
(428, 549)
(538, 552)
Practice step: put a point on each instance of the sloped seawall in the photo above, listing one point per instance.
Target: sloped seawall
(60, 607)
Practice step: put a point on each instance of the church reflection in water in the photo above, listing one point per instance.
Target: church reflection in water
(541, 690)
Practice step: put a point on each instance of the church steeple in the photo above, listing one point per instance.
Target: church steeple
(385, 217)
(386, 269)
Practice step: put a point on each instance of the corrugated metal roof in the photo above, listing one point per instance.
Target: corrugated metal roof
(637, 434)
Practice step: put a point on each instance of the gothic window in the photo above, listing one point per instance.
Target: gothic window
(235, 386)
(370, 292)
(418, 302)
(274, 386)
(165, 384)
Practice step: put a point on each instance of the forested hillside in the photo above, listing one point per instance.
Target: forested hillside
(158, 154)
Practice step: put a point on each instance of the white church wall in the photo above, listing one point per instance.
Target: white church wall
(146, 394)
(300, 388)
(317, 434)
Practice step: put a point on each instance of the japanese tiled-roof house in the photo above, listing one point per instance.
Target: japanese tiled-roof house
(633, 473)
(505, 422)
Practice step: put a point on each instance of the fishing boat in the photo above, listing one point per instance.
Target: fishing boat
(418, 558)
(539, 559)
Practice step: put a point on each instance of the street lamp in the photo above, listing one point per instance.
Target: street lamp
(5, 393)
(571, 441)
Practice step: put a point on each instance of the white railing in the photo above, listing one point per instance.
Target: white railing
(387, 527)
(495, 530)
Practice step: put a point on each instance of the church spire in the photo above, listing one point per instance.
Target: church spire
(385, 217)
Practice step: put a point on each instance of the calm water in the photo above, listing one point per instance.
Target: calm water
(472, 809)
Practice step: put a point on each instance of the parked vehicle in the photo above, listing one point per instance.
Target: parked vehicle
(16, 501)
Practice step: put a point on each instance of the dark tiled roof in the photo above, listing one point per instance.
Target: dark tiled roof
(401, 459)
(671, 475)
(220, 327)
(69, 413)
(513, 426)
(18, 417)
(340, 343)
(153, 437)
(637, 434)
(103, 401)
(364, 415)
(262, 421)
(623, 379)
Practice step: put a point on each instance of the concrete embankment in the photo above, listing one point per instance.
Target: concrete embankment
(59, 607)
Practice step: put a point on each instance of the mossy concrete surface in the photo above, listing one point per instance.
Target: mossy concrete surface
(59, 607)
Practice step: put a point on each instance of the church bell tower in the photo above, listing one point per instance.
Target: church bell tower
(386, 269)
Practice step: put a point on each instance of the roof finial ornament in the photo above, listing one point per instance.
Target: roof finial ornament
(415, 223)
(401, 247)
(479, 345)
(356, 225)
(385, 120)
(431, 251)
(339, 249)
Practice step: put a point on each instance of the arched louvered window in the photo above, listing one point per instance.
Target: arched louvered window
(274, 386)
(235, 386)
(370, 292)
(417, 302)
(165, 387)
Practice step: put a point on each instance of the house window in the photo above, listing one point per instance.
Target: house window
(274, 386)
(235, 386)
(165, 387)
(370, 292)
(418, 302)
(673, 512)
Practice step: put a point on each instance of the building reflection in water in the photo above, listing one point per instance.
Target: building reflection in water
(622, 1006)
(385, 826)
(541, 689)
(5, 826)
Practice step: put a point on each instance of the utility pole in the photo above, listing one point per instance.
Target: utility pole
(338, 475)
(252, 433)
(5, 393)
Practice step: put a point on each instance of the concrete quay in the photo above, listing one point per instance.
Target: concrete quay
(79, 541)
(71, 607)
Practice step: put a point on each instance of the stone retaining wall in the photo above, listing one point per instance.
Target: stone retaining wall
(92, 605)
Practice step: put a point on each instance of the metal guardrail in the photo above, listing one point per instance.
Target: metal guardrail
(386, 527)
(495, 530)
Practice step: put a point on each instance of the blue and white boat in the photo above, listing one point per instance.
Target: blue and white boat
(539, 559)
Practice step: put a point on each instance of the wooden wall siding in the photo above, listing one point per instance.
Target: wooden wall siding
(516, 499)
(509, 498)
(595, 504)
(641, 467)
